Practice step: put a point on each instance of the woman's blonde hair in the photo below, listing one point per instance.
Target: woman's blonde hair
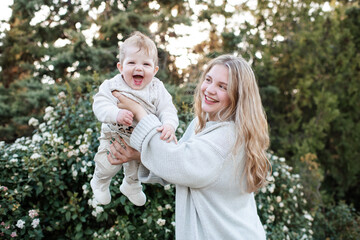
(247, 112)
(141, 41)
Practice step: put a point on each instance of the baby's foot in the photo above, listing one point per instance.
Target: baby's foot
(134, 193)
(101, 191)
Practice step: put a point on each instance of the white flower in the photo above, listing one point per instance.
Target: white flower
(161, 222)
(270, 219)
(33, 122)
(291, 190)
(271, 179)
(71, 153)
(35, 222)
(168, 206)
(84, 148)
(167, 187)
(49, 109)
(61, 95)
(281, 204)
(85, 189)
(20, 224)
(159, 208)
(36, 138)
(271, 188)
(285, 229)
(278, 199)
(144, 220)
(33, 213)
(308, 217)
(14, 160)
(276, 174)
(35, 156)
(99, 209)
(48, 113)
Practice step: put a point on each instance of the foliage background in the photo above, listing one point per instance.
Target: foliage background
(305, 55)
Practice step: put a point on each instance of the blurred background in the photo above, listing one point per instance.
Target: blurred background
(55, 53)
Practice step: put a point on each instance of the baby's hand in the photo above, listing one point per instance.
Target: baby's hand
(125, 117)
(167, 133)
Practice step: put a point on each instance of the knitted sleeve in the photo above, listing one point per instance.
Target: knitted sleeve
(105, 104)
(194, 162)
(165, 109)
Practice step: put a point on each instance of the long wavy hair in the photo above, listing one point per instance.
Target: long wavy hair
(246, 110)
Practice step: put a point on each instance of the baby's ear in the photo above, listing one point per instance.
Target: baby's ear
(156, 69)
(119, 66)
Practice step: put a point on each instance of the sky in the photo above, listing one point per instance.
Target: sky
(5, 11)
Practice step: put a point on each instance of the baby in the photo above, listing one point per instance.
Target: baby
(137, 65)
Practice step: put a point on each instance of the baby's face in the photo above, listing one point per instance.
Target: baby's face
(138, 68)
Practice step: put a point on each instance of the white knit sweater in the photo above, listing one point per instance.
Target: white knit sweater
(211, 197)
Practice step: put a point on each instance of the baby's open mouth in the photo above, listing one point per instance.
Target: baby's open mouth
(138, 79)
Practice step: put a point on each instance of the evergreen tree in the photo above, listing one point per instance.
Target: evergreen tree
(50, 42)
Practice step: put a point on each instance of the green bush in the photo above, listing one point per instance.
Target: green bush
(50, 172)
(337, 222)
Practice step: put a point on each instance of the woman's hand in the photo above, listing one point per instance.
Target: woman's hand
(122, 154)
(126, 103)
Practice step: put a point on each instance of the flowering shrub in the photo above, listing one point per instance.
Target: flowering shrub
(282, 206)
(10, 210)
(45, 190)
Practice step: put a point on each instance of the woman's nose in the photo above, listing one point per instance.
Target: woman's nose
(210, 88)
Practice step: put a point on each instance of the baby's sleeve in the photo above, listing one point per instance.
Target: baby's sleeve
(165, 109)
(105, 104)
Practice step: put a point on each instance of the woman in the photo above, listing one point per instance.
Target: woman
(218, 163)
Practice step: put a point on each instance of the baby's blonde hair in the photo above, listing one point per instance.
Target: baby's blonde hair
(141, 41)
(247, 112)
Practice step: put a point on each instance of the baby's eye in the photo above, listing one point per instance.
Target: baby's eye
(223, 87)
(207, 79)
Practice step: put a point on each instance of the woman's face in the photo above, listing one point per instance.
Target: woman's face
(214, 95)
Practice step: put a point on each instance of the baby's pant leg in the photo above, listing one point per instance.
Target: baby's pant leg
(104, 170)
(131, 172)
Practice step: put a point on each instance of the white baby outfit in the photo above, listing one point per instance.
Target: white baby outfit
(156, 100)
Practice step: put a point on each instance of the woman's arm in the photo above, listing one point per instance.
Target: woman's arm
(195, 163)
(126, 103)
